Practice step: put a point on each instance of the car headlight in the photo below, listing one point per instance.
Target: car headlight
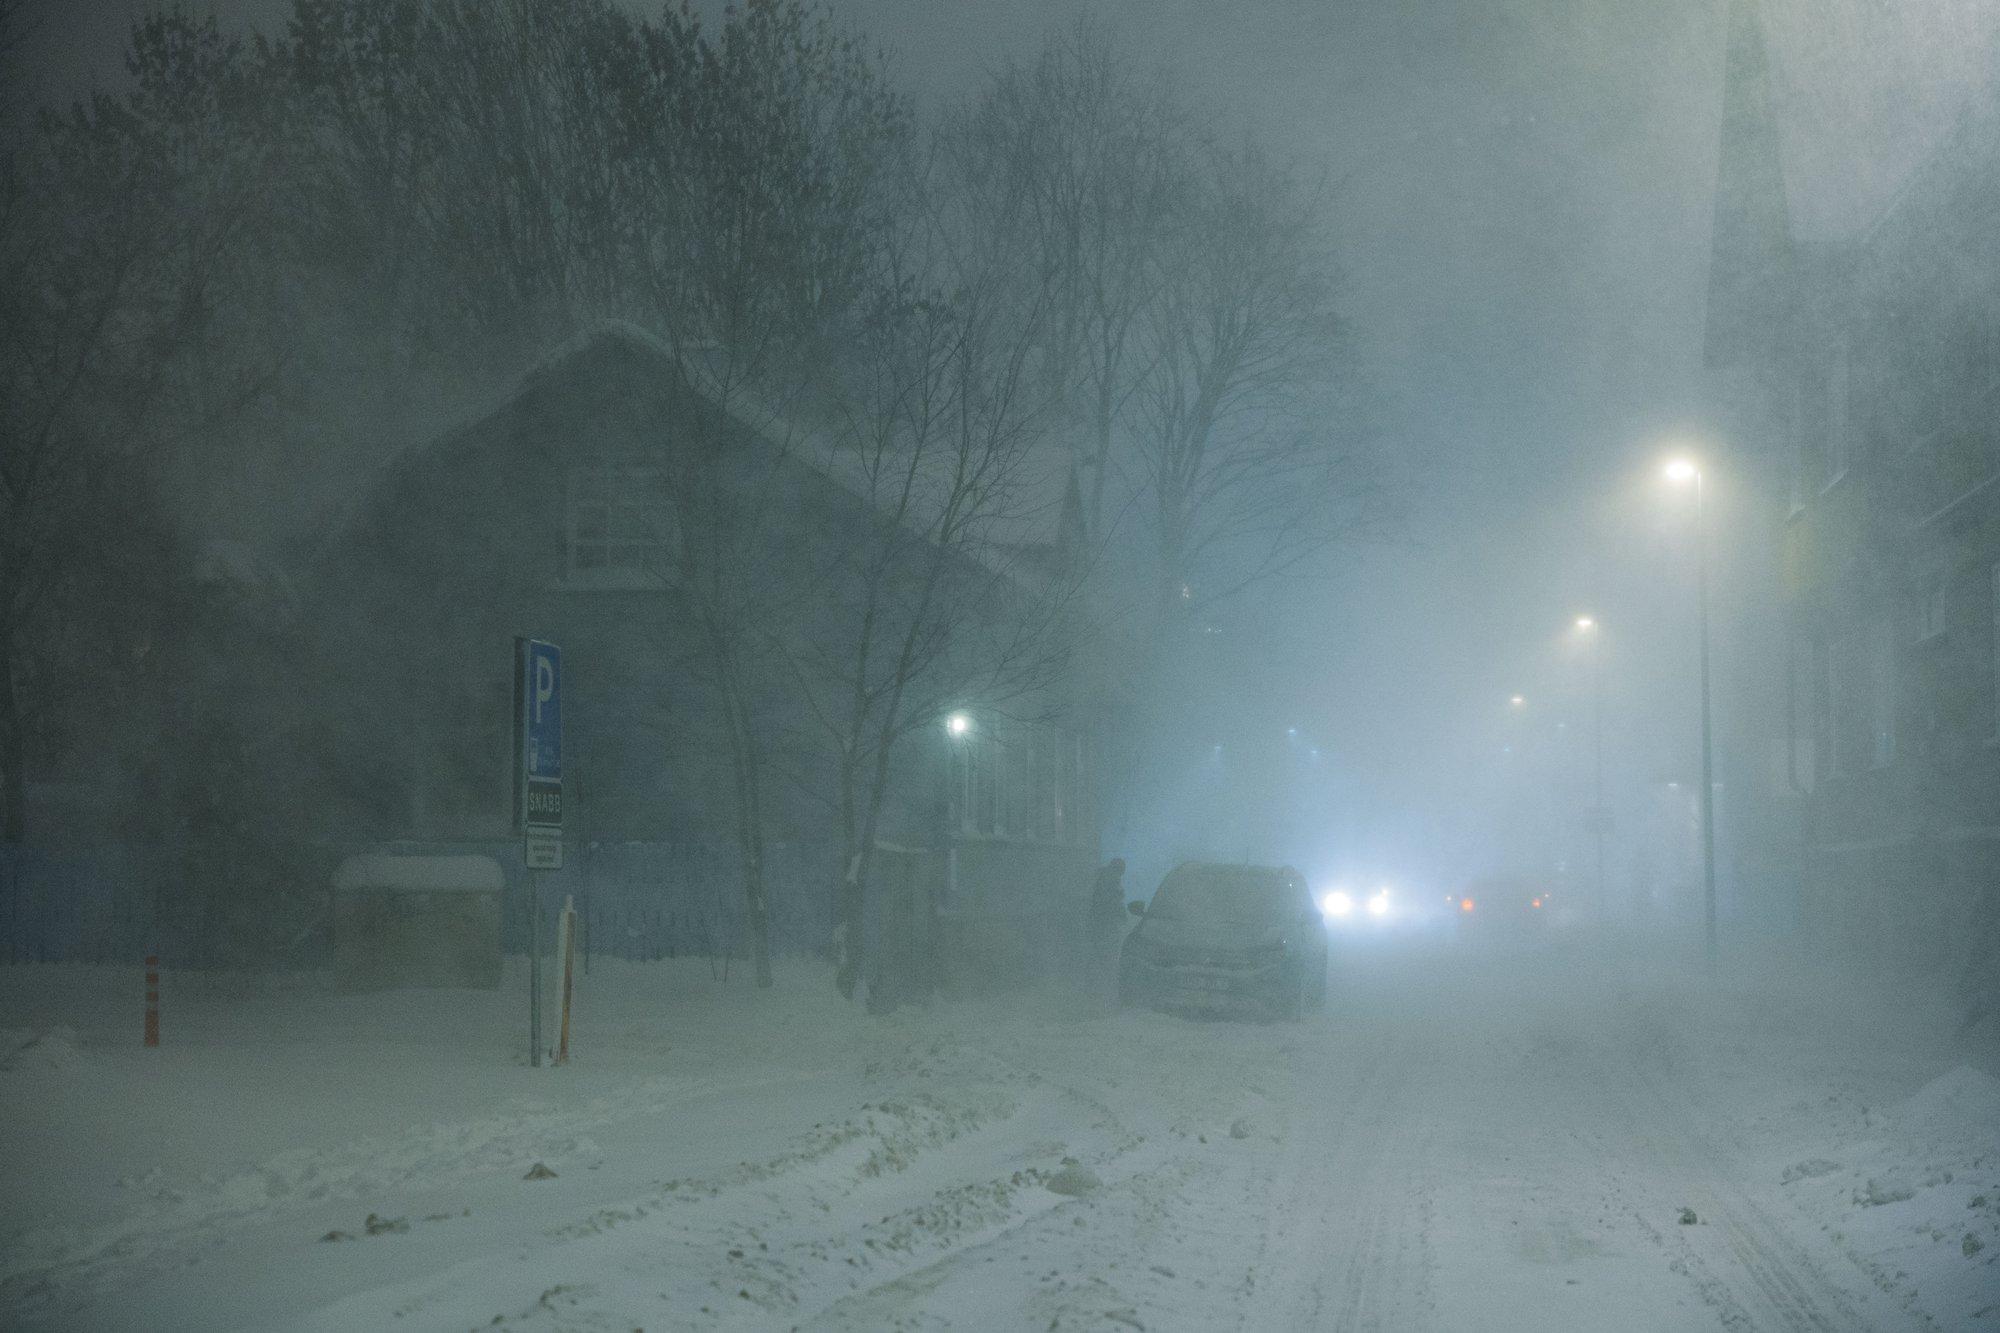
(1378, 906)
(1337, 904)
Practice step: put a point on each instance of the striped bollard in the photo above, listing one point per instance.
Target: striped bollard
(152, 999)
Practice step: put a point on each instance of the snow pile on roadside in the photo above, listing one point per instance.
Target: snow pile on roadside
(55, 1049)
(1915, 1195)
(1943, 1109)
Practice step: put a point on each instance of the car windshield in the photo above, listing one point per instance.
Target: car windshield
(1224, 894)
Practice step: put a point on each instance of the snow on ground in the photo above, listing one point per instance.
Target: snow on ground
(1544, 1139)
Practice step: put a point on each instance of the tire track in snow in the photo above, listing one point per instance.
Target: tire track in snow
(1352, 1197)
(1747, 1264)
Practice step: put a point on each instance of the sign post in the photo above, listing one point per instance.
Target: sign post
(538, 793)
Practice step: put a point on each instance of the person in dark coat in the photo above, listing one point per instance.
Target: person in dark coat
(1107, 912)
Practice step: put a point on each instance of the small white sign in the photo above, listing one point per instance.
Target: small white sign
(544, 851)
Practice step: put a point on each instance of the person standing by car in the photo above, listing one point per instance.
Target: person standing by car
(1106, 920)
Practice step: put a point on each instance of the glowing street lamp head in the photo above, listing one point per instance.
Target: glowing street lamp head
(1517, 701)
(1682, 470)
(1586, 623)
(958, 724)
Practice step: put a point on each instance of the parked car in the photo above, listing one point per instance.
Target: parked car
(1227, 936)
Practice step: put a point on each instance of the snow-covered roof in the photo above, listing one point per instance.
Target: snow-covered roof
(1007, 541)
(807, 430)
(420, 874)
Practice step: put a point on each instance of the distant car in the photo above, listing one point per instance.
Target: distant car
(1502, 906)
(1227, 936)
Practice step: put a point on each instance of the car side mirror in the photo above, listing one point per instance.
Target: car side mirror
(1136, 908)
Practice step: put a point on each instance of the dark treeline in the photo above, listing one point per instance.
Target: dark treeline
(236, 284)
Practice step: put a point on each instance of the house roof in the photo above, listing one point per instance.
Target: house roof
(1015, 540)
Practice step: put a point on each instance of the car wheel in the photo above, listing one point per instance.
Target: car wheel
(1291, 1000)
(1128, 986)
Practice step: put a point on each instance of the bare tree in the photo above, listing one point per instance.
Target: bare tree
(1085, 164)
(116, 229)
(923, 599)
(759, 210)
(1247, 446)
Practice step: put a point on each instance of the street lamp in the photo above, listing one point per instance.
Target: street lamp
(1587, 626)
(958, 724)
(1684, 471)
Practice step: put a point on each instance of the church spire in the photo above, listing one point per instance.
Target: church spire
(1750, 248)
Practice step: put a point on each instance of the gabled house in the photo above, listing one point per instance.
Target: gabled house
(554, 515)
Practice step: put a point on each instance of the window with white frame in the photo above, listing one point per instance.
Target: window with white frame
(1018, 779)
(619, 526)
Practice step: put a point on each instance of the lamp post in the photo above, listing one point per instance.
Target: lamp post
(1684, 470)
(1587, 626)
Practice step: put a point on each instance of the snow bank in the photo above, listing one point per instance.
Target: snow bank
(57, 1048)
(1913, 1195)
(1965, 1101)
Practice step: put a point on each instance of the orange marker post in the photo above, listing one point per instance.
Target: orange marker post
(568, 975)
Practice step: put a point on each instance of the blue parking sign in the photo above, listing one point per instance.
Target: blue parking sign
(537, 734)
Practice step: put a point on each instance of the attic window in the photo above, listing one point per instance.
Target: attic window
(619, 528)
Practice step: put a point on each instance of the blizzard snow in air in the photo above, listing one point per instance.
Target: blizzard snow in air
(1039, 664)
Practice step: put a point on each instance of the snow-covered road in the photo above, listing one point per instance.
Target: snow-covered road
(1446, 1147)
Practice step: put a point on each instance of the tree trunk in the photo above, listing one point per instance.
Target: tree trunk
(853, 940)
(847, 895)
(750, 841)
(759, 911)
(743, 761)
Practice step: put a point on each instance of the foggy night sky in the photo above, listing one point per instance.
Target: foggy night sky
(1523, 222)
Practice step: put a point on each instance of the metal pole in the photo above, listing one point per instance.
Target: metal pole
(1707, 746)
(535, 968)
(1597, 816)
